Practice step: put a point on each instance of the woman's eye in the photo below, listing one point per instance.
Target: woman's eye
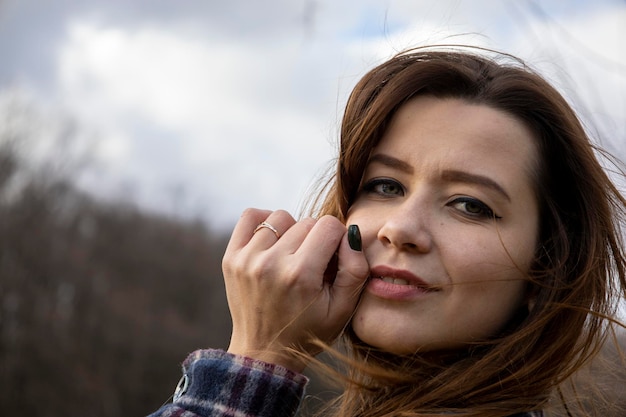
(384, 187)
(474, 208)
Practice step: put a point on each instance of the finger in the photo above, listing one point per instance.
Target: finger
(323, 240)
(352, 274)
(292, 239)
(278, 223)
(242, 232)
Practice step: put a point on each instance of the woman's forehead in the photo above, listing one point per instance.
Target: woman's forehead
(428, 124)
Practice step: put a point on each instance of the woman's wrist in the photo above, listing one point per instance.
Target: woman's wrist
(286, 358)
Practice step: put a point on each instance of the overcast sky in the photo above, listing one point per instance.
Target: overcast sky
(204, 107)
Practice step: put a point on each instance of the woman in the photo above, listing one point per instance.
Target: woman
(480, 270)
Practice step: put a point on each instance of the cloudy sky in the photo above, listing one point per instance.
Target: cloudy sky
(202, 107)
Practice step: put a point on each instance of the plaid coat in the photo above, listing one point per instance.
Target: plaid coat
(218, 384)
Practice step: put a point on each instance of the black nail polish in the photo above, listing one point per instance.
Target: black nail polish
(354, 237)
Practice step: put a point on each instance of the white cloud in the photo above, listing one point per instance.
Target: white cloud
(227, 109)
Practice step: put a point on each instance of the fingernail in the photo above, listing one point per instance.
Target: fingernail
(354, 237)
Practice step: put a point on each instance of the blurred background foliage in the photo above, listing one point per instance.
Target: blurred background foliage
(99, 301)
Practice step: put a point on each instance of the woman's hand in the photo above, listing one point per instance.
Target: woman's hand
(283, 291)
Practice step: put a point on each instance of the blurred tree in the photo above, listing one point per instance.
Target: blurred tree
(99, 302)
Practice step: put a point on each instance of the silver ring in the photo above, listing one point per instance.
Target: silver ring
(266, 225)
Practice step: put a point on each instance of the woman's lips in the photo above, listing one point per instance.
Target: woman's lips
(397, 284)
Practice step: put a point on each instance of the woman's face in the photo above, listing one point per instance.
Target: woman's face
(449, 222)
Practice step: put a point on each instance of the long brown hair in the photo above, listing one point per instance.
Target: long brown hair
(579, 272)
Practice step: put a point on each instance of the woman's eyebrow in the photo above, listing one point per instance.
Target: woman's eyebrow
(449, 175)
(466, 177)
(391, 162)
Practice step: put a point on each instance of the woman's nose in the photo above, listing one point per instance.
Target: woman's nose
(406, 227)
